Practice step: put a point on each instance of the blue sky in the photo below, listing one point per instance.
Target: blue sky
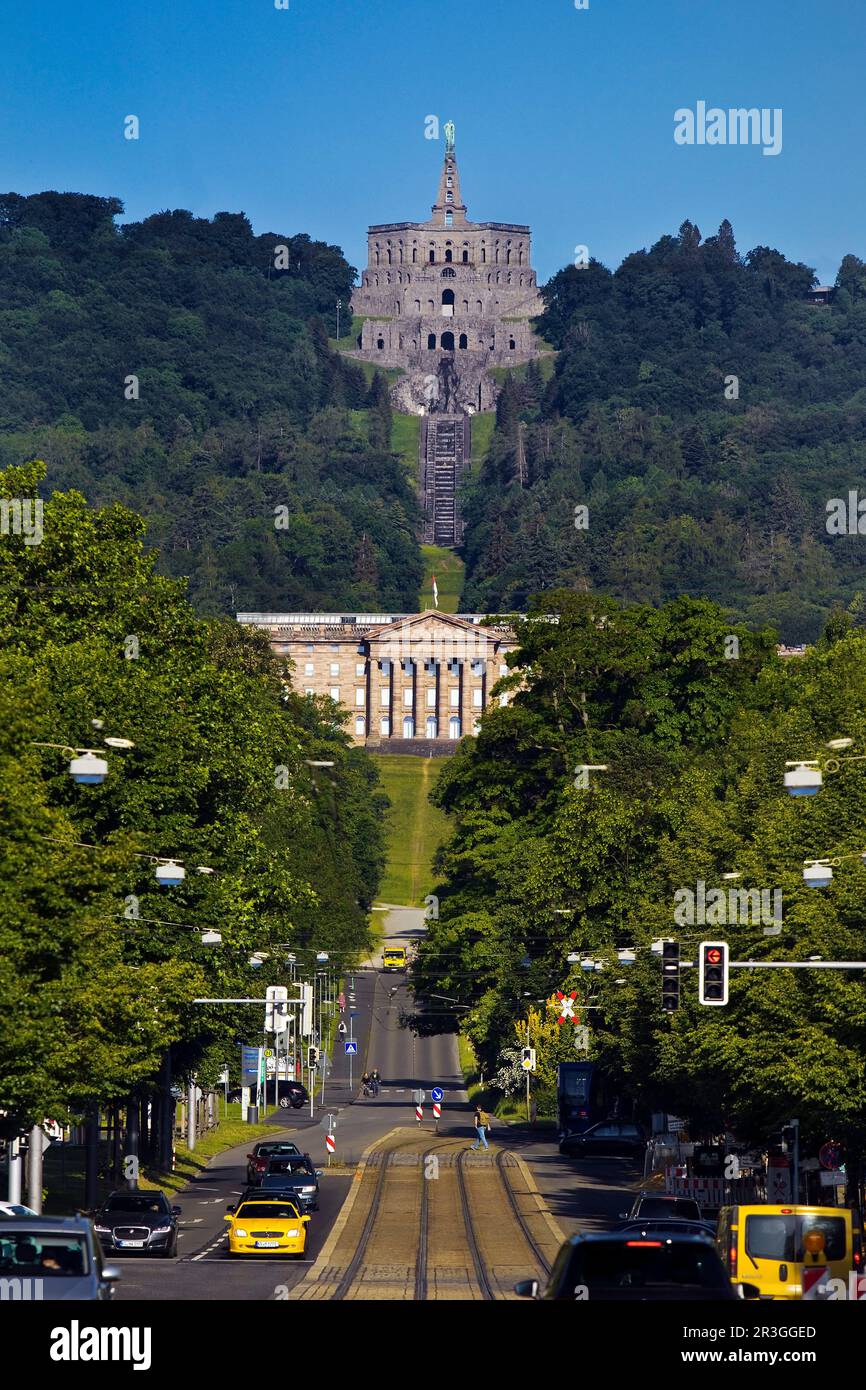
(312, 118)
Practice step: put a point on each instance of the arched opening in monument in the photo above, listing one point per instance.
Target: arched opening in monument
(431, 726)
(463, 341)
(449, 256)
(479, 306)
(511, 344)
(466, 306)
(431, 342)
(380, 343)
(448, 342)
(465, 257)
(432, 255)
(449, 273)
(454, 727)
(408, 727)
(414, 255)
(449, 219)
(417, 306)
(483, 254)
(448, 304)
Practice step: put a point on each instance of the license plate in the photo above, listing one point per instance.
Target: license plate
(133, 1243)
(266, 1244)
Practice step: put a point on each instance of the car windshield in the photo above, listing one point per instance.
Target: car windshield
(44, 1254)
(260, 1211)
(288, 1165)
(781, 1237)
(679, 1206)
(575, 1085)
(615, 1265)
(266, 1150)
(140, 1203)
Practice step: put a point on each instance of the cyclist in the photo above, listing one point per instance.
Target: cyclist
(366, 1084)
(375, 1080)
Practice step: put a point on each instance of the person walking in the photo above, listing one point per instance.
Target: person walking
(481, 1122)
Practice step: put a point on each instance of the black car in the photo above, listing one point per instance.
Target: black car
(293, 1095)
(258, 1160)
(140, 1222)
(292, 1176)
(618, 1267)
(615, 1137)
(658, 1206)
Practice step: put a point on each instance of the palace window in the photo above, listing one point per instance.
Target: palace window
(463, 341)
(448, 303)
(448, 342)
(385, 727)
(359, 695)
(417, 306)
(359, 725)
(465, 257)
(431, 697)
(448, 255)
(408, 727)
(385, 696)
(431, 726)
(432, 256)
(360, 668)
(448, 273)
(380, 343)
(414, 255)
(309, 669)
(335, 694)
(477, 702)
(407, 699)
(454, 698)
(454, 728)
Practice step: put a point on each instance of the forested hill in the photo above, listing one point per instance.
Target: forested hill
(694, 482)
(241, 407)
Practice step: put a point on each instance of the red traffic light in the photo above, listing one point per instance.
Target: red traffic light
(714, 955)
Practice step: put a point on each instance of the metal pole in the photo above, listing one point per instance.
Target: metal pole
(133, 1138)
(796, 1125)
(528, 1112)
(324, 1061)
(351, 1054)
(91, 1157)
(35, 1166)
(190, 1115)
(276, 1070)
(14, 1190)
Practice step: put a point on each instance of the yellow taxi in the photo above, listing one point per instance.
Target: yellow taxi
(266, 1226)
(770, 1246)
(394, 958)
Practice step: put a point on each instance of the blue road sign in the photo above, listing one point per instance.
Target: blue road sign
(351, 1048)
(437, 1093)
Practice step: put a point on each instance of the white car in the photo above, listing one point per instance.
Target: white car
(15, 1209)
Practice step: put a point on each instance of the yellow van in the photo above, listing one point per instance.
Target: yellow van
(394, 958)
(769, 1245)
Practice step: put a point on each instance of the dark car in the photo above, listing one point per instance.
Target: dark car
(658, 1206)
(617, 1267)
(653, 1229)
(258, 1160)
(53, 1259)
(293, 1094)
(292, 1176)
(139, 1222)
(616, 1137)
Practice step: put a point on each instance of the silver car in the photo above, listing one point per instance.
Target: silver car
(52, 1258)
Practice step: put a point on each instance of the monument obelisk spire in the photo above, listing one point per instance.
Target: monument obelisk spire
(449, 210)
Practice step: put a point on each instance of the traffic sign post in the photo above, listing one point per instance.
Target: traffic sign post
(437, 1112)
(330, 1145)
(419, 1112)
(437, 1093)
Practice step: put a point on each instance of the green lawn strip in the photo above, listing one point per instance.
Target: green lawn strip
(407, 781)
(63, 1173)
(482, 432)
(405, 433)
(448, 568)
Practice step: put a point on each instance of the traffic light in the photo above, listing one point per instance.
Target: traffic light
(312, 1057)
(713, 972)
(670, 976)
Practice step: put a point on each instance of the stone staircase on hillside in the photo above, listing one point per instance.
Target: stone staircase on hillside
(445, 447)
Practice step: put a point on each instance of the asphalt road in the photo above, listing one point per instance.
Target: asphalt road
(202, 1268)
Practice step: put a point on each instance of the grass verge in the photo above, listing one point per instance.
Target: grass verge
(448, 568)
(415, 829)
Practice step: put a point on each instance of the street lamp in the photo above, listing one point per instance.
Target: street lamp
(169, 873)
(87, 767)
(817, 873)
(804, 779)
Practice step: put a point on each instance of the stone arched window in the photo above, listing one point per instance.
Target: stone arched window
(466, 306)
(389, 253)
(520, 254)
(431, 342)
(414, 255)
(449, 219)
(397, 307)
(508, 254)
(380, 343)
(432, 255)
(479, 307)
(377, 256)
(511, 344)
(447, 342)
(401, 253)
(521, 279)
(463, 341)
(448, 273)
(465, 256)
(483, 254)
(449, 256)
(510, 277)
(431, 306)
(448, 303)
(489, 277)
(417, 306)
(400, 339)
(497, 253)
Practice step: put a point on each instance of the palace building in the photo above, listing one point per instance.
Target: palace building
(407, 682)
